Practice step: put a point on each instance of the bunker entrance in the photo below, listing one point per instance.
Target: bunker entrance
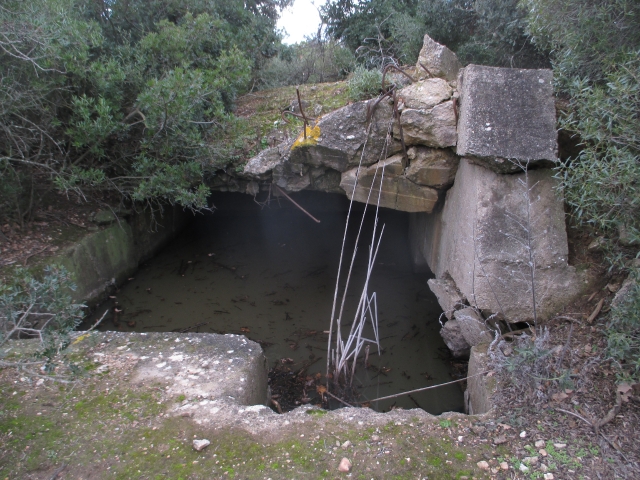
(269, 273)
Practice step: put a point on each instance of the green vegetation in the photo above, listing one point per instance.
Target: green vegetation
(490, 32)
(127, 96)
(624, 332)
(364, 84)
(596, 62)
(30, 307)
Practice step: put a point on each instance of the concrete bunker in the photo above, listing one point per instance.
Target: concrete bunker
(474, 175)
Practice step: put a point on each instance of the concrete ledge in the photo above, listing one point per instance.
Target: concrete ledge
(209, 366)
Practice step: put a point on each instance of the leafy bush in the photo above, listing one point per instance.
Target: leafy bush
(529, 362)
(364, 83)
(39, 308)
(488, 32)
(91, 91)
(311, 61)
(623, 331)
(596, 51)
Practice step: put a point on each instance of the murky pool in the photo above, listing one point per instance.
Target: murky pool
(269, 272)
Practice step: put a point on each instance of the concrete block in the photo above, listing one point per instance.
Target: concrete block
(480, 388)
(507, 114)
(485, 238)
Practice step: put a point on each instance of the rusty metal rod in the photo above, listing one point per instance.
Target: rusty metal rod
(296, 204)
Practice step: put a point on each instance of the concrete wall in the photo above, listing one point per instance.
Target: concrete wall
(109, 256)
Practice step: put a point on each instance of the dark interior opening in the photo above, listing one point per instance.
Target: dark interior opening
(269, 272)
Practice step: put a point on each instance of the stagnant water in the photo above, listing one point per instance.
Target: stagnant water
(269, 273)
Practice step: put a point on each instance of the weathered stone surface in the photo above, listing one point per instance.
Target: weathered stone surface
(425, 94)
(438, 59)
(626, 289)
(202, 364)
(448, 295)
(480, 388)
(394, 190)
(434, 128)
(424, 236)
(341, 136)
(432, 167)
(261, 165)
(507, 114)
(452, 336)
(472, 326)
(485, 233)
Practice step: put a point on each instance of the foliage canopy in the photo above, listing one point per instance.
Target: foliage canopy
(127, 95)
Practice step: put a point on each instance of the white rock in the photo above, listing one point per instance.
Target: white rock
(346, 444)
(542, 452)
(560, 446)
(375, 438)
(548, 476)
(523, 434)
(504, 465)
(345, 465)
(540, 444)
(482, 465)
(524, 468)
(199, 445)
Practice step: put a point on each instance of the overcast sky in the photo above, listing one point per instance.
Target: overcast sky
(300, 20)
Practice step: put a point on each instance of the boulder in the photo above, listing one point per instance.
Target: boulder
(448, 295)
(425, 94)
(472, 326)
(339, 138)
(435, 127)
(393, 190)
(260, 166)
(432, 167)
(452, 336)
(485, 236)
(626, 290)
(438, 60)
(507, 117)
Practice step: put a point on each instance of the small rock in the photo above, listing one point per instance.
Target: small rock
(375, 438)
(482, 465)
(346, 444)
(560, 446)
(524, 468)
(548, 476)
(597, 245)
(523, 434)
(530, 460)
(504, 465)
(460, 438)
(199, 445)
(345, 465)
(542, 452)
(494, 470)
(39, 382)
(543, 468)
(500, 440)
(540, 444)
